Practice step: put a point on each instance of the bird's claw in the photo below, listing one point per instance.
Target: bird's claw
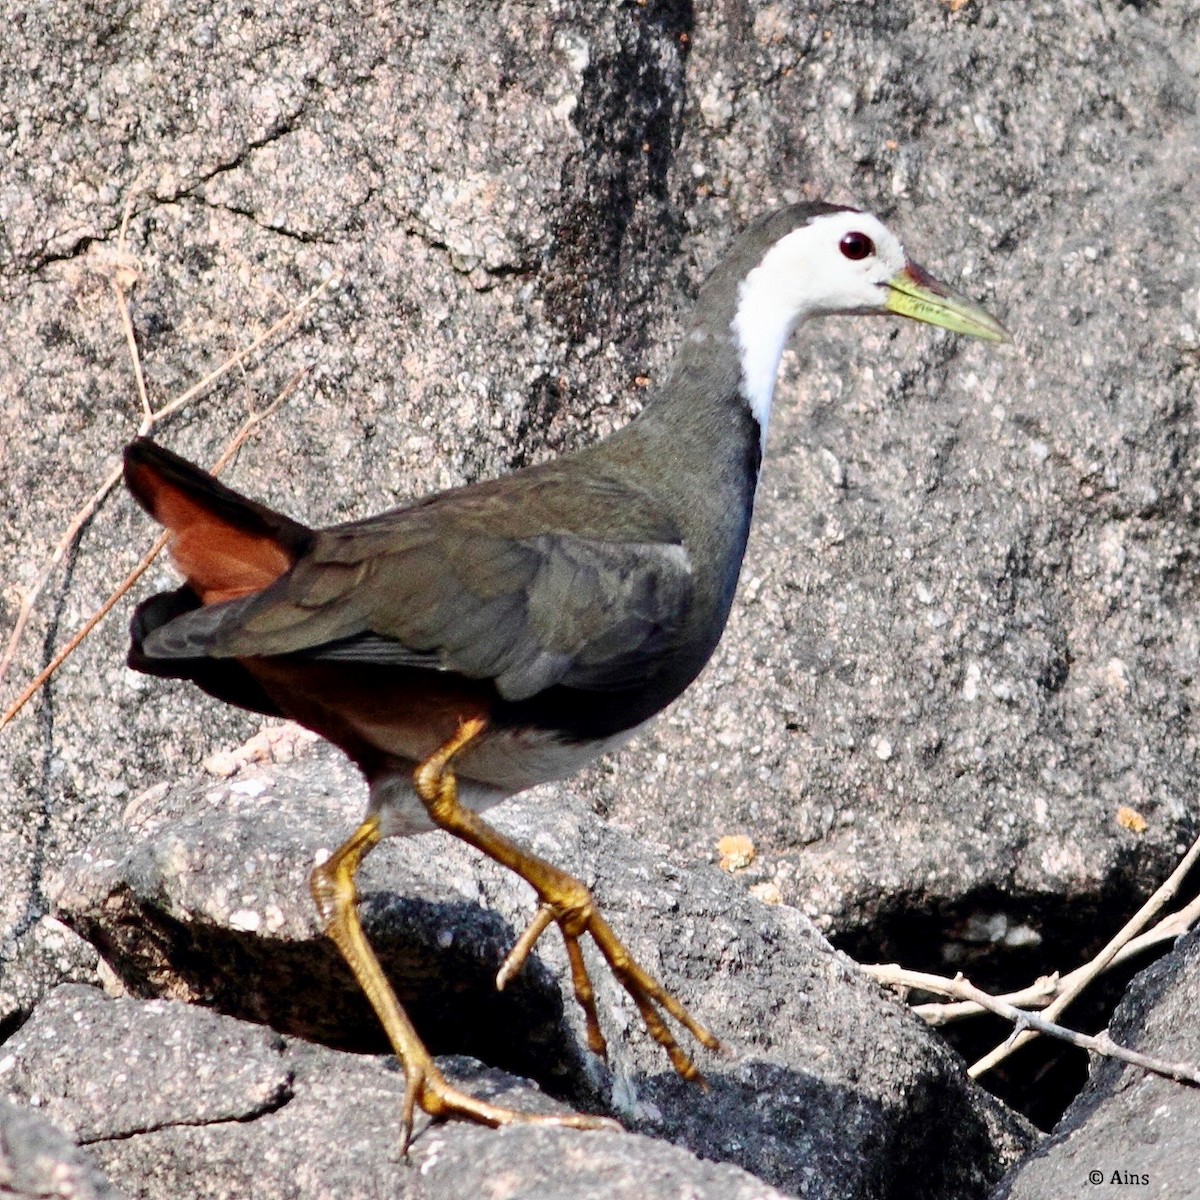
(577, 914)
(427, 1088)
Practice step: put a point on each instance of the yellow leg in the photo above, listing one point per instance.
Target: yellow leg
(565, 901)
(337, 902)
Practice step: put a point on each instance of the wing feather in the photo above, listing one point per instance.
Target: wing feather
(473, 586)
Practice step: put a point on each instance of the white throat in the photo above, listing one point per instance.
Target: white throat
(764, 321)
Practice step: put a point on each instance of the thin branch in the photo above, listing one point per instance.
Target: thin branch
(231, 362)
(122, 273)
(1044, 991)
(61, 657)
(1037, 995)
(30, 598)
(150, 420)
(235, 443)
(131, 342)
(959, 988)
(1083, 977)
(121, 280)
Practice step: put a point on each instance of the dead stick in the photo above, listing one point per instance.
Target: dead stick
(231, 362)
(117, 282)
(1162, 896)
(80, 519)
(148, 422)
(959, 988)
(57, 661)
(1042, 992)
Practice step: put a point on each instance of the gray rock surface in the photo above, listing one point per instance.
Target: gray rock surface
(197, 1104)
(967, 563)
(39, 1161)
(1129, 1130)
(967, 631)
(827, 1087)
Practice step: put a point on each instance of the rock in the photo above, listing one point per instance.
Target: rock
(177, 1101)
(828, 1087)
(546, 1164)
(974, 556)
(105, 1070)
(38, 1161)
(259, 157)
(1128, 1128)
(977, 557)
(49, 954)
(205, 897)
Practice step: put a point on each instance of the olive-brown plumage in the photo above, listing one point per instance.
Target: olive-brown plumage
(496, 636)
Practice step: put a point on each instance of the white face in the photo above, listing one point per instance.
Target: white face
(842, 262)
(836, 263)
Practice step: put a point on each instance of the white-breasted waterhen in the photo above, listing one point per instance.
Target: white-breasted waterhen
(493, 637)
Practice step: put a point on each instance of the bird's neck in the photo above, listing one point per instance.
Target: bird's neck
(761, 327)
(730, 357)
(700, 440)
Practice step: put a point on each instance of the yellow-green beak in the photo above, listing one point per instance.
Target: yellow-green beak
(913, 292)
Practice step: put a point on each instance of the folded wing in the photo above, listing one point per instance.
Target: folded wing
(487, 587)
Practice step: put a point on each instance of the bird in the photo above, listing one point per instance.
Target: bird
(489, 638)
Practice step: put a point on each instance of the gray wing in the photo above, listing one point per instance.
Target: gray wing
(438, 586)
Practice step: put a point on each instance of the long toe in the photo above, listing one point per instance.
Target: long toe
(651, 998)
(443, 1101)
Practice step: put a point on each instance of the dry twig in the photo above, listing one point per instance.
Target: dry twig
(121, 270)
(81, 518)
(1045, 990)
(149, 421)
(1054, 993)
(1084, 976)
(122, 278)
(961, 989)
(235, 443)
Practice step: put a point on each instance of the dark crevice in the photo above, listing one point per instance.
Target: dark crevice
(12, 1023)
(911, 1153)
(76, 249)
(518, 270)
(1002, 942)
(283, 1097)
(279, 129)
(307, 239)
(37, 262)
(619, 229)
(546, 396)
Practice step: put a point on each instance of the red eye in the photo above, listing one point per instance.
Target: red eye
(856, 245)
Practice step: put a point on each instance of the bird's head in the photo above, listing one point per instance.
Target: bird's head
(845, 261)
(814, 260)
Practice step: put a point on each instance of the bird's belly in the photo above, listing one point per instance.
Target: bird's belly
(515, 759)
(502, 763)
(389, 720)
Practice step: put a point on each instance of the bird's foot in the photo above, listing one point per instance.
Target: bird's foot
(565, 902)
(575, 913)
(428, 1089)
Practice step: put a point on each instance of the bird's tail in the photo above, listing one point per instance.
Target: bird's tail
(226, 545)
